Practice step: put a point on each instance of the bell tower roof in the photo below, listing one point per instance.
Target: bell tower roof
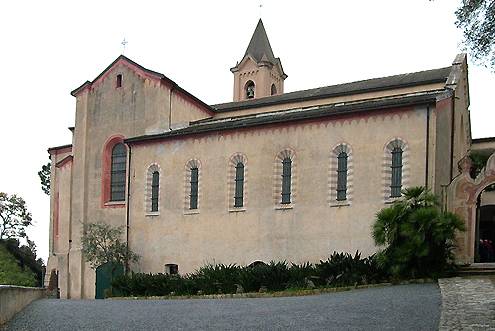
(259, 46)
(260, 50)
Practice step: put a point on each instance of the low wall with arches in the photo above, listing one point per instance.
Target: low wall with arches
(462, 198)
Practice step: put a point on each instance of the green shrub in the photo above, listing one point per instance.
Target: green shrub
(418, 238)
(341, 269)
(300, 274)
(273, 276)
(219, 278)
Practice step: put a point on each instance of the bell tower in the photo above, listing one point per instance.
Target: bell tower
(259, 73)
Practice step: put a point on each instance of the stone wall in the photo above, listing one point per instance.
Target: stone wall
(14, 298)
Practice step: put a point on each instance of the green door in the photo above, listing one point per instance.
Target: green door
(104, 276)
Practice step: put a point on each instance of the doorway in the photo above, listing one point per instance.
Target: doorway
(485, 226)
(105, 274)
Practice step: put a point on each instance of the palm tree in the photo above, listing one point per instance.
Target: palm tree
(416, 236)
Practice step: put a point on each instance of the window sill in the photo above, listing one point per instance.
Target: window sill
(152, 213)
(342, 203)
(114, 204)
(237, 209)
(284, 206)
(191, 212)
(391, 200)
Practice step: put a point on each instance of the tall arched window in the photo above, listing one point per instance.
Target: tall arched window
(396, 180)
(250, 87)
(342, 176)
(286, 179)
(193, 196)
(239, 185)
(117, 175)
(273, 89)
(155, 190)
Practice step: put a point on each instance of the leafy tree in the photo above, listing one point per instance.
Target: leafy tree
(418, 237)
(14, 216)
(476, 18)
(26, 257)
(12, 272)
(101, 244)
(44, 175)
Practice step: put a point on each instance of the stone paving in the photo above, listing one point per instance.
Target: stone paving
(468, 303)
(404, 307)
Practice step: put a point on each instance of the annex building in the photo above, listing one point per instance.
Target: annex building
(269, 176)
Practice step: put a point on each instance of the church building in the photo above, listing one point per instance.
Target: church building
(269, 176)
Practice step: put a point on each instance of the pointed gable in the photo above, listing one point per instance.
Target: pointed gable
(260, 50)
(144, 73)
(259, 46)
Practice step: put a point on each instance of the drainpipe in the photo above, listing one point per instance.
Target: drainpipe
(170, 108)
(128, 207)
(427, 145)
(452, 130)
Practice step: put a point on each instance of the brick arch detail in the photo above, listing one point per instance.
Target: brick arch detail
(192, 163)
(387, 163)
(332, 176)
(153, 167)
(106, 169)
(277, 176)
(233, 161)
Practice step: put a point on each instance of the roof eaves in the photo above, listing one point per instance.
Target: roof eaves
(483, 140)
(287, 98)
(60, 149)
(277, 117)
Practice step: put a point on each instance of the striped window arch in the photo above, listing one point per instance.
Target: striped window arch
(341, 175)
(192, 185)
(237, 181)
(285, 179)
(395, 169)
(152, 195)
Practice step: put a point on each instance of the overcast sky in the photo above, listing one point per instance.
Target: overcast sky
(48, 48)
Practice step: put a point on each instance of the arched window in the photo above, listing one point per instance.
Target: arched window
(274, 89)
(193, 196)
(239, 185)
(117, 175)
(396, 180)
(250, 89)
(342, 176)
(286, 179)
(396, 169)
(155, 190)
(118, 82)
(152, 192)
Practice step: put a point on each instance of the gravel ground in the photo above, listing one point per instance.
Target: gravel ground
(404, 307)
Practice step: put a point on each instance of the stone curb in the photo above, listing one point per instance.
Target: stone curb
(295, 293)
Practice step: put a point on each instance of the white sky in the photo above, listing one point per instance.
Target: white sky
(48, 48)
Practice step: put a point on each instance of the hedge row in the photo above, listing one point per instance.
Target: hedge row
(340, 269)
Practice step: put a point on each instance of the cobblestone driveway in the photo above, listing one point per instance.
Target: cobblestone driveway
(406, 307)
(468, 303)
